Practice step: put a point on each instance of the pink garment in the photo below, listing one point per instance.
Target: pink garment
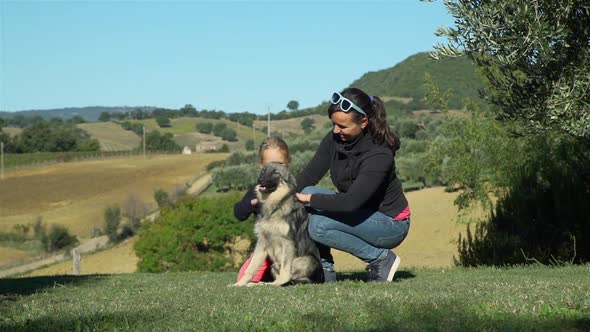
(405, 214)
(263, 273)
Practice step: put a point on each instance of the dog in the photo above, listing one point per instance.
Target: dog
(281, 231)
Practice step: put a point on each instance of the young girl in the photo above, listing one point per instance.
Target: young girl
(272, 149)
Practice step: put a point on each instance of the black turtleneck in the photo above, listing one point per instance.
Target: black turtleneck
(362, 171)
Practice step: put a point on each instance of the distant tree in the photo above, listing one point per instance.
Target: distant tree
(229, 135)
(89, 145)
(135, 210)
(308, 125)
(250, 145)
(2, 123)
(56, 121)
(163, 121)
(204, 127)
(224, 148)
(7, 140)
(76, 119)
(218, 128)
(293, 105)
(188, 110)
(35, 138)
(158, 142)
(161, 197)
(104, 117)
(112, 219)
(59, 238)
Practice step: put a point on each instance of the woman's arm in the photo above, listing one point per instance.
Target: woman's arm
(315, 170)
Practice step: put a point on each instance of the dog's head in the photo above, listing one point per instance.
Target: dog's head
(275, 177)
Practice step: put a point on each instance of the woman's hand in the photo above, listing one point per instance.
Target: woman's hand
(303, 198)
(254, 202)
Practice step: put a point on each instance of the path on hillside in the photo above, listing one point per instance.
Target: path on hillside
(88, 246)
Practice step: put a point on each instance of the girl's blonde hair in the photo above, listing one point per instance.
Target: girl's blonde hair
(274, 143)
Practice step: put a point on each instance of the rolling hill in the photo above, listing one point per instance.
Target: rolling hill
(406, 79)
(111, 136)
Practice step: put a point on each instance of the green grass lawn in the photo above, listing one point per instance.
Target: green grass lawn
(484, 299)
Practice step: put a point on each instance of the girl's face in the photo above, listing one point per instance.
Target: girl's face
(273, 155)
(345, 126)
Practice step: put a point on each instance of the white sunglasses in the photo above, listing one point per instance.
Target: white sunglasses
(345, 104)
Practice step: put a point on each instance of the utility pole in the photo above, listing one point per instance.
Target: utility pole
(268, 126)
(143, 141)
(2, 159)
(253, 134)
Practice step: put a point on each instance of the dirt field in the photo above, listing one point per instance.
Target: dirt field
(12, 255)
(432, 236)
(119, 259)
(76, 194)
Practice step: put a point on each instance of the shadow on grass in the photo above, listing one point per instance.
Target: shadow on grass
(31, 285)
(362, 276)
(444, 316)
(136, 320)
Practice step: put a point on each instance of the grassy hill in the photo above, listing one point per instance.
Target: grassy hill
(479, 299)
(406, 79)
(111, 136)
(185, 133)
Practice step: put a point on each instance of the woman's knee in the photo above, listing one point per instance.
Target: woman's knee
(310, 190)
(316, 190)
(315, 229)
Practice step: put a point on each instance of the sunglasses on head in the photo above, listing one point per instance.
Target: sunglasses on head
(345, 104)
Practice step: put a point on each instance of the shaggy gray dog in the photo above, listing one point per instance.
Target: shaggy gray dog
(281, 231)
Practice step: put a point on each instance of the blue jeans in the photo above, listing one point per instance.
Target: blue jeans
(368, 235)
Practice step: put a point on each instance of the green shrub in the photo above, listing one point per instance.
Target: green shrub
(238, 177)
(195, 235)
(161, 197)
(59, 238)
(112, 219)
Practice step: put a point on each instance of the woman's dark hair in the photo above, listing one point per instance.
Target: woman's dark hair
(375, 109)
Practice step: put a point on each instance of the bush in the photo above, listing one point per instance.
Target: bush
(112, 219)
(135, 210)
(218, 128)
(163, 121)
(161, 197)
(204, 127)
(59, 238)
(229, 135)
(250, 145)
(543, 217)
(198, 234)
(238, 177)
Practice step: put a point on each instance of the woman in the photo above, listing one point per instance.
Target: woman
(369, 215)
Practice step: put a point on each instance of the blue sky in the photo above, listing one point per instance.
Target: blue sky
(231, 56)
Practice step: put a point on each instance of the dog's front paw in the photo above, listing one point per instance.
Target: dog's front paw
(237, 284)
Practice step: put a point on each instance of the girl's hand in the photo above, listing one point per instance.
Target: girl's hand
(303, 198)
(254, 202)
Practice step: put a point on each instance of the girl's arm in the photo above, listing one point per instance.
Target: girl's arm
(244, 208)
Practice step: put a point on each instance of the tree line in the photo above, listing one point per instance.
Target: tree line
(55, 135)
